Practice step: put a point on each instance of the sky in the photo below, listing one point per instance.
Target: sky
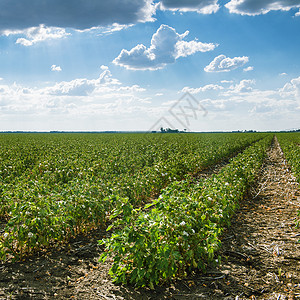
(127, 65)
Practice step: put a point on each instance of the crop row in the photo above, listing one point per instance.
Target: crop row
(290, 144)
(55, 186)
(180, 231)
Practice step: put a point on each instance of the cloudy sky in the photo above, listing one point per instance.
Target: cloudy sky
(200, 65)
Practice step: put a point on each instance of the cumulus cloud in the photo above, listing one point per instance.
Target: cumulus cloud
(242, 102)
(82, 86)
(105, 84)
(199, 6)
(77, 99)
(248, 69)
(244, 86)
(19, 15)
(244, 106)
(252, 8)
(184, 48)
(166, 46)
(55, 68)
(76, 87)
(291, 88)
(222, 63)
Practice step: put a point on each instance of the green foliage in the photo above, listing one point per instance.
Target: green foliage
(180, 230)
(54, 186)
(290, 144)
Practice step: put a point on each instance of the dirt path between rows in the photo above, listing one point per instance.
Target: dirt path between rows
(262, 242)
(260, 256)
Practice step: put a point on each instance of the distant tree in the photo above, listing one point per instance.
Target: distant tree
(168, 130)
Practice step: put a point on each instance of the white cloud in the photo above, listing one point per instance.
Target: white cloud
(283, 74)
(103, 67)
(56, 68)
(242, 106)
(297, 14)
(113, 28)
(104, 103)
(199, 6)
(85, 87)
(248, 69)
(222, 63)
(105, 30)
(37, 34)
(84, 100)
(188, 48)
(227, 81)
(244, 86)
(291, 88)
(76, 87)
(166, 46)
(208, 87)
(252, 8)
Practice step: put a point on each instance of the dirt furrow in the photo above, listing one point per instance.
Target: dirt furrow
(264, 232)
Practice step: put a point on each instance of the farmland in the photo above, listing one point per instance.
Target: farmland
(54, 187)
(165, 220)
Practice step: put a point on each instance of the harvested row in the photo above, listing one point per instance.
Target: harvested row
(53, 187)
(180, 230)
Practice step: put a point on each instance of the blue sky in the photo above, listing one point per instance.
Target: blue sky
(202, 65)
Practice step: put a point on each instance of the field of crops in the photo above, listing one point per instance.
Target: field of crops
(164, 219)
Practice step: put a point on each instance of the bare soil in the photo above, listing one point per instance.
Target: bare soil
(260, 255)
